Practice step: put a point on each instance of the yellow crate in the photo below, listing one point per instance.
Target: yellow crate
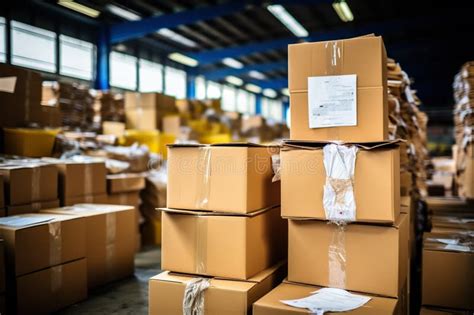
(29, 142)
(166, 138)
(150, 138)
(219, 138)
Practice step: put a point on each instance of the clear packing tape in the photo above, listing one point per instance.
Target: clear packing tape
(88, 178)
(276, 167)
(203, 184)
(55, 255)
(339, 205)
(200, 262)
(111, 236)
(334, 53)
(193, 300)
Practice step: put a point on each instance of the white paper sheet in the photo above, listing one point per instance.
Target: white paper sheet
(7, 84)
(332, 101)
(329, 300)
(22, 221)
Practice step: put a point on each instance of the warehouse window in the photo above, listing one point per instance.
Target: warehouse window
(272, 109)
(252, 103)
(175, 82)
(33, 47)
(76, 58)
(245, 102)
(151, 76)
(3, 39)
(123, 71)
(214, 90)
(200, 85)
(229, 97)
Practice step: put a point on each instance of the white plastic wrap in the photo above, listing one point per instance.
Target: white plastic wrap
(193, 301)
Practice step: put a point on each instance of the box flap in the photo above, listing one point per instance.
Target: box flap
(214, 213)
(86, 209)
(453, 242)
(226, 144)
(22, 221)
(316, 145)
(395, 225)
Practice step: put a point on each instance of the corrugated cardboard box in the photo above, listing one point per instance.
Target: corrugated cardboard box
(98, 198)
(110, 240)
(222, 245)
(405, 183)
(171, 125)
(144, 111)
(29, 182)
(375, 256)
(31, 207)
(448, 274)
(303, 176)
(37, 241)
(222, 177)
(271, 303)
(224, 296)
(117, 183)
(50, 289)
(128, 198)
(363, 56)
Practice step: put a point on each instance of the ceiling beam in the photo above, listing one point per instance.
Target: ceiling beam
(226, 71)
(134, 29)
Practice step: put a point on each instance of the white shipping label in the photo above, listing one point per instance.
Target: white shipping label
(332, 101)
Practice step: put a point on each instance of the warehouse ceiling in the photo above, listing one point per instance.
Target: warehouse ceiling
(430, 39)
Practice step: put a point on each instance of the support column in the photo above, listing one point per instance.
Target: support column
(102, 75)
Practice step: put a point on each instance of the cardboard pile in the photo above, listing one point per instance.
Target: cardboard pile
(112, 106)
(223, 237)
(407, 122)
(463, 130)
(145, 111)
(347, 228)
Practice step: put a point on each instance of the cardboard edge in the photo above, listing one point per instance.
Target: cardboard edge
(215, 213)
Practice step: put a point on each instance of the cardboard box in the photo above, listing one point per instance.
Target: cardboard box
(98, 198)
(20, 96)
(50, 289)
(375, 256)
(225, 177)
(171, 124)
(113, 128)
(37, 241)
(118, 183)
(429, 310)
(222, 245)
(144, 111)
(29, 183)
(224, 296)
(271, 303)
(128, 199)
(110, 240)
(449, 205)
(31, 207)
(303, 176)
(363, 56)
(447, 273)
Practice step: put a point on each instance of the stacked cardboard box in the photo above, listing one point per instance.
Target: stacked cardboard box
(112, 106)
(223, 237)
(463, 128)
(145, 111)
(28, 186)
(45, 261)
(347, 229)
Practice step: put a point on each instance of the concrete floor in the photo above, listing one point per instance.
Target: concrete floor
(128, 296)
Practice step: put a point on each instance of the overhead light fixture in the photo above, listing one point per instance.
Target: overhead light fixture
(234, 80)
(256, 75)
(288, 20)
(70, 4)
(269, 93)
(285, 91)
(253, 88)
(233, 63)
(343, 11)
(166, 32)
(185, 60)
(121, 12)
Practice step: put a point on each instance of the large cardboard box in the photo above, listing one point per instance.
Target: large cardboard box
(448, 274)
(224, 296)
(303, 176)
(359, 257)
(110, 240)
(226, 177)
(50, 289)
(29, 183)
(119, 183)
(222, 245)
(74, 200)
(271, 303)
(127, 198)
(31, 207)
(37, 241)
(20, 96)
(144, 111)
(363, 56)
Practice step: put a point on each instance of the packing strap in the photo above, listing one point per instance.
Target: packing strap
(110, 245)
(193, 301)
(88, 178)
(200, 262)
(334, 53)
(55, 243)
(339, 205)
(35, 183)
(203, 185)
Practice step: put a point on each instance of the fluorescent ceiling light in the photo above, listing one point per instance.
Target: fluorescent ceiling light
(288, 20)
(256, 75)
(166, 32)
(269, 93)
(343, 11)
(185, 60)
(233, 63)
(253, 88)
(70, 4)
(234, 80)
(125, 14)
(285, 91)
